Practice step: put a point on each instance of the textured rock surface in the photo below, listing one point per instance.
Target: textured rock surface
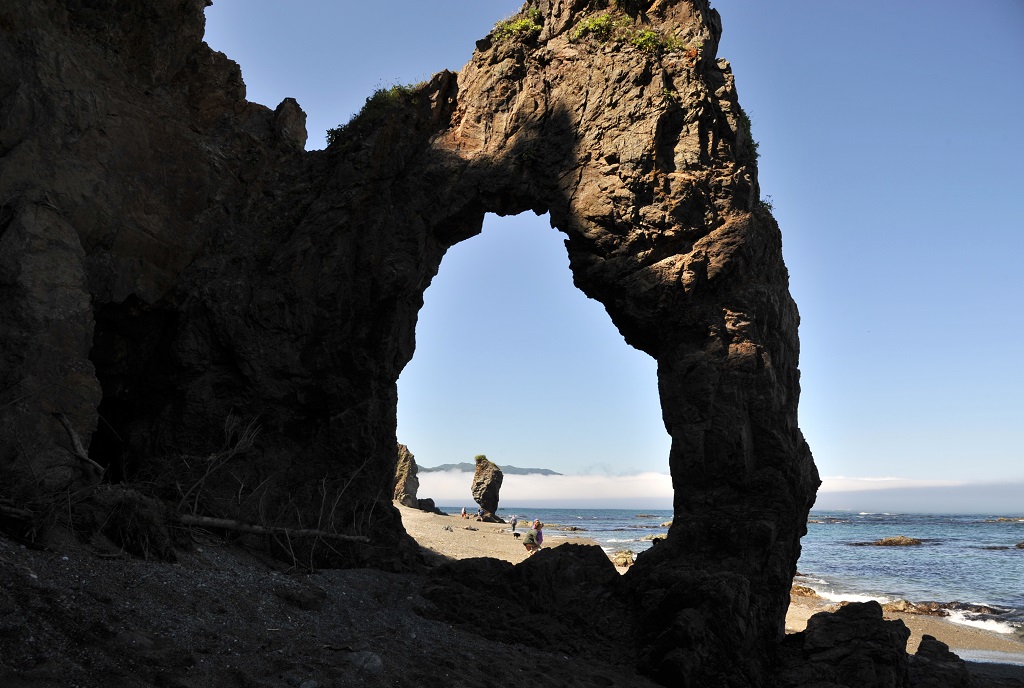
(406, 482)
(934, 666)
(853, 647)
(486, 486)
(171, 262)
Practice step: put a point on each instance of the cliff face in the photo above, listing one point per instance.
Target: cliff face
(171, 261)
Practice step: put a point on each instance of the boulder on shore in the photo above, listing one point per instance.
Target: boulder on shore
(428, 505)
(623, 558)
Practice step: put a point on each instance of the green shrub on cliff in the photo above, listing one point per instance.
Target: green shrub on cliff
(526, 25)
(648, 41)
(653, 43)
(745, 127)
(614, 25)
(600, 27)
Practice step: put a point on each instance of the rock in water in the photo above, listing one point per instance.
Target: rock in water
(486, 484)
(897, 541)
(406, 482)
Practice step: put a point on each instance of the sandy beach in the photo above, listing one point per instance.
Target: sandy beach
(456, 538)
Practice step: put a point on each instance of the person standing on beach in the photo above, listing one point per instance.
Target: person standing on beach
(464, 512)
(514, 521)
(538, 527)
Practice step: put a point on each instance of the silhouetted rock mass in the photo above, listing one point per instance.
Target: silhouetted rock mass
(406, 482)
(182, 281)
(853, 647)
(486, 485)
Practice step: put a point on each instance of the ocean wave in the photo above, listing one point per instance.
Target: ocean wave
(809, 579)
(848, 597)
(965, 618)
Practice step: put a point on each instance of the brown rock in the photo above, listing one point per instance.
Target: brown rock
(803, 591)
(406, 483)
(486, 486)
(623, 558)
(897, 541)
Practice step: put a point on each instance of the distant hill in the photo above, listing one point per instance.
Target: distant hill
(470, 467)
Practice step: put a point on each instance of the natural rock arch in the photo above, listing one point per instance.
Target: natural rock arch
(285, 285)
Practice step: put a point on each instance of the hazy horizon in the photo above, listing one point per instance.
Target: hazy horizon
(652, 490)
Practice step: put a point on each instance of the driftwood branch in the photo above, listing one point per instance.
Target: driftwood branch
(238, 526)
(91, 468)
(6, 509)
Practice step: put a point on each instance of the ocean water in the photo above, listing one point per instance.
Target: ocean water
(969, 560)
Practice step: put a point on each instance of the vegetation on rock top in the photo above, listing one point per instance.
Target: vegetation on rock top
(382, 101)
(617, 25)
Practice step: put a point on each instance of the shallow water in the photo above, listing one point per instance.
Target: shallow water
(971, 559)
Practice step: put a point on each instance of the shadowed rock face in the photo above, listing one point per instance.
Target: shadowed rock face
(171, 258)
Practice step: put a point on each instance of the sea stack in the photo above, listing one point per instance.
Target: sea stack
(486, 485)
(406, 482)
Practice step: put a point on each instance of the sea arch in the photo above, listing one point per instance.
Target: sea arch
(286, 285)
(514, 361)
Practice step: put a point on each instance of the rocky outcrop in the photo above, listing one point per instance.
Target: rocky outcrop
(175, 269)
(853, 646)
(487, 485)
(569, 599)
(406, 482)
(934, 666)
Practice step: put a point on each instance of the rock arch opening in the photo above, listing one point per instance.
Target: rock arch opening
(512, 360)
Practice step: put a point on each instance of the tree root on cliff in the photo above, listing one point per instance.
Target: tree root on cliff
(92, 472)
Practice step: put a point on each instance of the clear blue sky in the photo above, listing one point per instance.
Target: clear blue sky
(891, 148)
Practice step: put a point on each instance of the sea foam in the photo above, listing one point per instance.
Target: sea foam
(992, 625)
(848, 597)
